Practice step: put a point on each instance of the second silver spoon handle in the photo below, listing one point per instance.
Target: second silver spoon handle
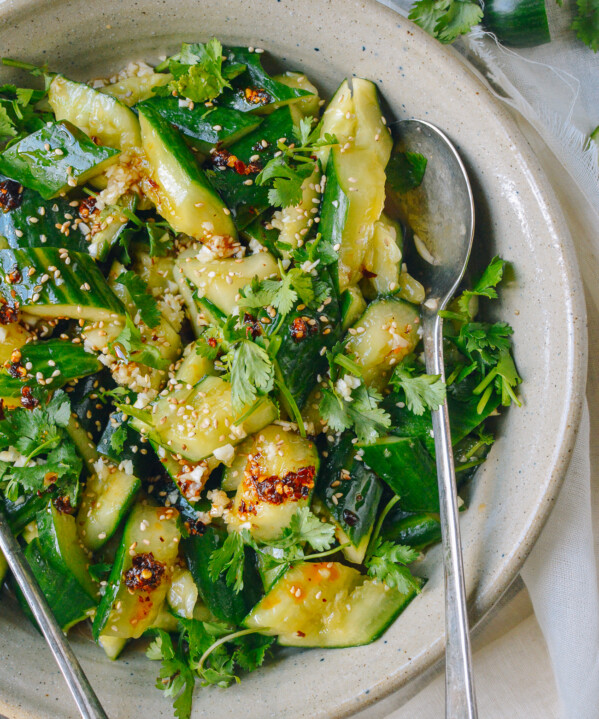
(460, 701)
(87, 702)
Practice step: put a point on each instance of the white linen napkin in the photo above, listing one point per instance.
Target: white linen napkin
(554, 92)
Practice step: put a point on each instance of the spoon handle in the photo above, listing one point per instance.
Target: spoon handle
(460, 701)
(87, 702)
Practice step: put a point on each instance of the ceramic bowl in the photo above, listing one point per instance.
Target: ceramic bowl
(518, 217)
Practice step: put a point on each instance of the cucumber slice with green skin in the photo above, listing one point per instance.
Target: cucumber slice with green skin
(262, 232)
(413, 530)
(65, 295)
(189, 477)
(220, 280)
(205, 128)
(141, 456)
(334, 210)
(385, 334)
(60, 544)
(308, 106)
(96, 113)
(294, 222)
(24, 510)
(177, 185)
(33, 222)
(278, 477)
(105, 502)
(353, 305)
(112, 646)
(137, 88)
(210, 423)
(407, 467)
(90, 412)
(326, 604)
(351, 494)
(34, 162)
(255, 90)
(107, 226)
(372, 134)
(69, 602)
(193, 367)
(54, 361)
(83, 444)
(339, 119)
(304, 333)
(182, 595)
(382, 262)
(517, 23)
(243, 197)
(218, 596)
(12, 337)
(141, 573)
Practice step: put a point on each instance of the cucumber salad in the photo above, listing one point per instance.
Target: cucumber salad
(215, 421)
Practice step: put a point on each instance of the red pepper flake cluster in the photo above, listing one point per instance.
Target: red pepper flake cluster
(301, 327)
(292, 487)
(87, 208)
(195, 528)
(27, 399)
(145, 574)
(63, 505)
(8, 313)
(11, 195)
(224, 158)
(14, 276)
(253, 328)
(256, 96)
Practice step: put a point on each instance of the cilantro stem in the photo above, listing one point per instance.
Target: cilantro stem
(468, 465)
(39, 450)
(480, 407)
(348, 364)
(222, 640)
(288, 397)
(506, 388)
(485, 382)
(9, 62)
(377, 529)
(320, 555)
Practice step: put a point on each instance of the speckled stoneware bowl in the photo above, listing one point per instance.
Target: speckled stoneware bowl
(517, 217)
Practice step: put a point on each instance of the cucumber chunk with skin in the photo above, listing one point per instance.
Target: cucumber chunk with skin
(221, 599)
(308, 106)
(277, 478)
(353, 305)
(350, 492)
(96, 113)
(62, 295)
(385, 334)
(59, 541)
(177, 185)
(326, 604)
(219, 280)
(205, 128)
(136, 88)
(69, 602)
(106, 499)
(141, 573)
(207, 423)
(382, 262)
(36, 164)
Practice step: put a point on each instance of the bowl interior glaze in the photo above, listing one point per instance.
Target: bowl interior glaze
(517, 217)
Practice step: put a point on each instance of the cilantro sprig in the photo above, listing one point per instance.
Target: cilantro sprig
(305, 528)
(421, 391)
(141, 297)
(50, 456)
(131, 346)
(287, 172)
(357, 407)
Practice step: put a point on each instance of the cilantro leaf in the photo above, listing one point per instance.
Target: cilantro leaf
(305, 527)
(485, 286)
(283, 294)
(208, 343)
(143, 300)
(361, 411)
(7, 126)
(137, 350)
(252, 373)
(229, 559)
(387, 561)
(118, 438)
(252, 650)
(197, 72)
(421, 391)
(485, 338)
(586, 23)
(175, 679)
(446, 19)
(160, 238)
(286, 190)
(100, 570)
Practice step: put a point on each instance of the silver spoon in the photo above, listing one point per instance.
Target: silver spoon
(441, 214)
(87, 702)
